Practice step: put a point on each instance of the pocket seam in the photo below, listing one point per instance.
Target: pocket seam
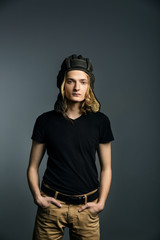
(92, 214)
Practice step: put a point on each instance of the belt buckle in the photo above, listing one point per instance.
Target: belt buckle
(79, 200)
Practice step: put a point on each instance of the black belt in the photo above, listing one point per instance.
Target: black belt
(69, 198)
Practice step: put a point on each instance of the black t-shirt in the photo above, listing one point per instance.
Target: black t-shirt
(71, 149)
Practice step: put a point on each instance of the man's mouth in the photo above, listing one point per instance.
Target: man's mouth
(75, 94)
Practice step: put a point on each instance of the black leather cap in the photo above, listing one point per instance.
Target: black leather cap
(75, 62)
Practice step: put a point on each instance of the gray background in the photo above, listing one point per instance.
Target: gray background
(122, 40)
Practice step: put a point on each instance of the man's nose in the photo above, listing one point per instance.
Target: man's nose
(76, 86)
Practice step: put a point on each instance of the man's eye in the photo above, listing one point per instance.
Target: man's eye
(69, 81)
(84, 82)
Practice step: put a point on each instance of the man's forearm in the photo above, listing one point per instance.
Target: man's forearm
(33, 181)
(105, 183)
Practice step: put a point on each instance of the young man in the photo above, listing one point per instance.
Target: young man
(71, 195)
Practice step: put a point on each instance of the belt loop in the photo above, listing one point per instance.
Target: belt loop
(56, 193)
(85, 198)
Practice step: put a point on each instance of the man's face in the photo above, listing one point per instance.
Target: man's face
(76, 85)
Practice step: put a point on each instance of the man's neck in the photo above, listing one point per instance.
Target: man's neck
(73, 110)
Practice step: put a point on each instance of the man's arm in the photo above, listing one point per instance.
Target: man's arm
(36, 155)
(104, 154)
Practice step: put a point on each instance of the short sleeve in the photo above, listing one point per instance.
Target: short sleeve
(38, 133)
(106, 134)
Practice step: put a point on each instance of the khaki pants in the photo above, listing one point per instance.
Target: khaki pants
(51, 221)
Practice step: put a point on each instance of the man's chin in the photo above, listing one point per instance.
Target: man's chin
(71, 100)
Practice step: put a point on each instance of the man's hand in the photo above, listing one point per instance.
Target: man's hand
(94, 207)
(46, 201)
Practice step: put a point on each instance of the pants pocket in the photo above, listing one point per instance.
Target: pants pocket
(92, 214)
